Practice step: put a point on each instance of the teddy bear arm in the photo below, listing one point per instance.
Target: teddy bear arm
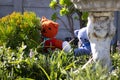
(81, 51)
(58, 44)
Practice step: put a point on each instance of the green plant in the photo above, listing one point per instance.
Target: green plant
(67, 9)
(14, 65)
(17, 28)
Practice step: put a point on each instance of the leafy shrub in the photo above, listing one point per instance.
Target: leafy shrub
(17, 28)
(16, 65)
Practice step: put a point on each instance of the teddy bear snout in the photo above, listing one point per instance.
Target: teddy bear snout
(43, 31)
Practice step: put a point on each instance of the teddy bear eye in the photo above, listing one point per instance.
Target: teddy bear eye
(49, 28)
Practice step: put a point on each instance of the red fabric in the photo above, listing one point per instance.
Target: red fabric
(53, 43)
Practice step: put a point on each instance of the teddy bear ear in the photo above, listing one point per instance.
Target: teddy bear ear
(76, 32)
(56, 25)
(43, 19)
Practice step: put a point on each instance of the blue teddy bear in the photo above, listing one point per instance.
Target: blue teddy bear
(84, 47)
(83, 44)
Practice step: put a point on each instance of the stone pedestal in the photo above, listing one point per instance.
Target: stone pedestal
(100, 26)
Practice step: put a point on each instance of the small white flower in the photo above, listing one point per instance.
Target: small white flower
(31, 53)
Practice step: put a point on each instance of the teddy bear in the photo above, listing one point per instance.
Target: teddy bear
(49, 30)
(83, 43)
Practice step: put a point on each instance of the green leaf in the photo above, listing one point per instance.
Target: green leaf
(54, 16)
(62, 2)
(53, 4)
(64, 11)
(84, 15)
(65, 2)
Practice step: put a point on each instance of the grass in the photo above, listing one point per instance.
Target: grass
(55, 65)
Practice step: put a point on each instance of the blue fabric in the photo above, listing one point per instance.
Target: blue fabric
(85, 49)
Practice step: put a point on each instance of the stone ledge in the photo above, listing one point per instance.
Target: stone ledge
(97, 5)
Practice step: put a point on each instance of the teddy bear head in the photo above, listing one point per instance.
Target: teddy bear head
(49, 28)
(81, 34)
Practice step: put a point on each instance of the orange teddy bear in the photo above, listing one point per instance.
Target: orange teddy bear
(49, 30)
